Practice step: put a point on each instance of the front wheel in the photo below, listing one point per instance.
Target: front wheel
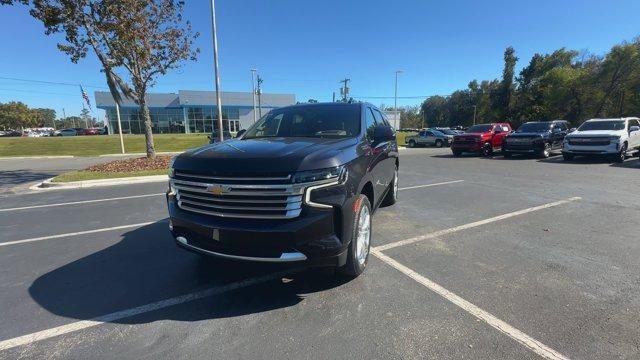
(358, 252)
(546, 152)
(622, 155)
(487, 150)
(439, 143)
(567, 157)
(411, 144)
(456, 153)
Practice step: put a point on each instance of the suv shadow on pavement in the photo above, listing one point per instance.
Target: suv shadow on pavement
(145, 267)
(631, 162)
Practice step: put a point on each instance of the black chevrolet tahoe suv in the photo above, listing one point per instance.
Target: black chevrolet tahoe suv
(300, 185)
(539, 138)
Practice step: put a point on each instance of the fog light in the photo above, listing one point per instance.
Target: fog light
(182, 239)
(170, 225)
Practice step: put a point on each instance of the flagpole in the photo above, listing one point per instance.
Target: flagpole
(119, 126)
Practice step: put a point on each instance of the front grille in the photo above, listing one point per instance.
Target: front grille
(519, 141)
(271, 196)
(465, 140)
(585, 141)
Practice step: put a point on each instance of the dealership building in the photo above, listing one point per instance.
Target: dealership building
(189, 111)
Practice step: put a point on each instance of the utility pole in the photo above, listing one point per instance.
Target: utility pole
(334, 96)
(344, 91)
(475, 108)
(253, 90)
(259, 96)
(395, 97)
(215, 66)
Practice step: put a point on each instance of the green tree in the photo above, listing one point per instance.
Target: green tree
(16, 115)
(135, 40)
(45, 117)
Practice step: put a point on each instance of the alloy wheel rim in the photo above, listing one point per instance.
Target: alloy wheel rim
(395, 184)
(364, 235)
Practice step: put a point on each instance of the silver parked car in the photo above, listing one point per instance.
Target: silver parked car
(429, 137)
(65, 132)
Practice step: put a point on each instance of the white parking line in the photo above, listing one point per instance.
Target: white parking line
(473, 224)
(79, 202)
(84, 324)
(42, 238)
(428, 185)
(524, 339)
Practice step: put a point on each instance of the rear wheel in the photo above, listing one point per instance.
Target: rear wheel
(506, 154)
(456, 153)
(392, 194)
(411, 144)
(439, 143)
(567, 157)
(358, 253)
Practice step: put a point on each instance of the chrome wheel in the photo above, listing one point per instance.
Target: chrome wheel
(395, 184)
(364, 235)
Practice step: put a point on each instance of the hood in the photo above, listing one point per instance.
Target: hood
(596, 133)
(268, 155)
(470, 135)
(529, 134)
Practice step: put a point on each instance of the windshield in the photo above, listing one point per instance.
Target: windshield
(534, 127)
(308, 121)
(602, 125)
(449, 132)
(480, 128)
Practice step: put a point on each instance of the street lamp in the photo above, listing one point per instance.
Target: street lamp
(253, 88)
(395, 96)
(215, 66)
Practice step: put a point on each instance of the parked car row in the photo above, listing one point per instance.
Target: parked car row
(46, 132)
(614, 138)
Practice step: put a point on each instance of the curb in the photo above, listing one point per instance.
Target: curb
(139, 154)
(49, 185)
(37, 157)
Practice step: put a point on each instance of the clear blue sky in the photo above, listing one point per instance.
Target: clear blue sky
(306, 47)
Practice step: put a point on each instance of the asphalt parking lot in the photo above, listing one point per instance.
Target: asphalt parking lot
(481, 258)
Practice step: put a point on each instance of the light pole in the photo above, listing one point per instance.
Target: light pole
(215, 66)
(253, 87)
(395, 96)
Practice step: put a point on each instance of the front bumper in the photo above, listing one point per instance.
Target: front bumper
(530, 148)
(314, 237)
(466, 147)
(612, 149)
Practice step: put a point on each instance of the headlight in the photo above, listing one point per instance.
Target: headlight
(614, 138)
(338, 172)
(171, 170)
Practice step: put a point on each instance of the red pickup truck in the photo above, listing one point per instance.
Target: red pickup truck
(482, 138)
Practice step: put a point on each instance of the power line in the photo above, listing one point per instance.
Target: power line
(49, 82)
(37, 92)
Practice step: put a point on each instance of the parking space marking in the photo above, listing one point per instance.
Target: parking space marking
(524, 339)
(42, 238)
(158, 305)
(473, 224)
(80, 202)
(428, 185)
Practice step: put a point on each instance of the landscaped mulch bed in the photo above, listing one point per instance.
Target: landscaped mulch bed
(133, 165)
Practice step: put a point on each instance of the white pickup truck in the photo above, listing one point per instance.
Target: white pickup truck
(609, 137)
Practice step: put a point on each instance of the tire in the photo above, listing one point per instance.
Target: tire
(622, 154)
(358, 252)
(487, 150)
(546, 152)
(456, 153)
(392, 195)
(567, 157)
(438, 143)
(411, 144)
(506, 154)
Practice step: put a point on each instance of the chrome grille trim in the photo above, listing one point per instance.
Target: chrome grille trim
(282, 200)
(232, 178)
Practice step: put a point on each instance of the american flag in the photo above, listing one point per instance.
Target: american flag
(85, 96)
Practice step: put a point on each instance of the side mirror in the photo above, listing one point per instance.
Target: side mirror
(634, 128)
(240, 133)
(498, 131)
(383, 133)
(572, 130)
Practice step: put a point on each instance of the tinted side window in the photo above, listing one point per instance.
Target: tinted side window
(379, 117)
(633, 123)
(370, 122)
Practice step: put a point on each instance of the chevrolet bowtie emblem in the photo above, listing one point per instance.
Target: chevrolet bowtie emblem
(217, 189)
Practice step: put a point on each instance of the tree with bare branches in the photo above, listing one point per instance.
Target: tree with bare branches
(135, 40)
